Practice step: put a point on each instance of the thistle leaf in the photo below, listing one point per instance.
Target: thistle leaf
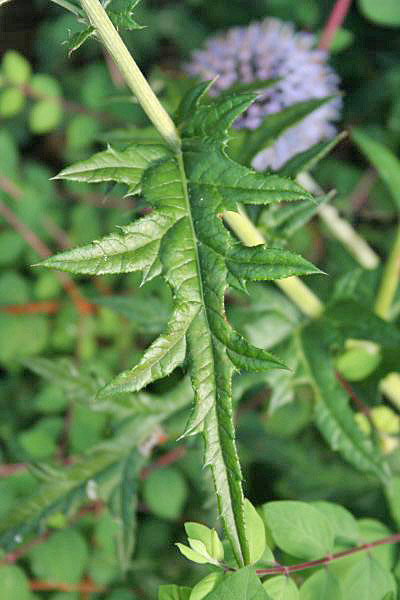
(185, 239)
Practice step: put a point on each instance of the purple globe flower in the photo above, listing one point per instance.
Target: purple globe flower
(272, 49)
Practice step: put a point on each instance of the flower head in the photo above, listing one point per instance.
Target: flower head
(272, 49)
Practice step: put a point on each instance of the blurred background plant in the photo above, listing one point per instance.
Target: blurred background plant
(62, 338)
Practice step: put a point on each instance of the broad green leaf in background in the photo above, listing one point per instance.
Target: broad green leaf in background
(299, 529)
(344, 525)
(165, 492)
(242, 585)
(368, 580)
(384, 12)
(333, 415)
(383, 159)
(14, 583)
(206, 585)
(63, 557)
(282, 587)
(322, 584)
(173, 592)
(255, 532)
(184, 238)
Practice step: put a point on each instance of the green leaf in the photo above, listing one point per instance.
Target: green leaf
(206, 585)
(173, 592)
(12, 101)
(208, 536)
(305, 161)
(333, 415)
(45, 116)
(14, 584)
(78, 39)
(368, 580)
(124, 506)
(282, 588)
(71, 486)
(380, 157)
(322, 584)
(386, 12)
(16, 69)
(193, 555)
(126, 166)
(242, 585)
(255, 532)
(344, 525)
(274, 125)
(165, 492)
(185, 240)
(71, 551)
(299, 529)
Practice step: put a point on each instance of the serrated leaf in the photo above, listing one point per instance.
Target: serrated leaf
(78, 39)
(185, 239)
(124, 505)
(305, 161)
(123, 18)
(121, 166)
(333, 415)
(274, 125)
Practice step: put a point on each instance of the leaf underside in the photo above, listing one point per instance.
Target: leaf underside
(185, 240)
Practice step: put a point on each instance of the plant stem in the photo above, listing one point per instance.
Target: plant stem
(392, 539)
(131, 72)
(341, 229)
(336, 18)
(293, 287)
(389, 281)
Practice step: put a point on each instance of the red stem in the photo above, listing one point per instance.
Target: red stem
(336, 18)
(279, 569)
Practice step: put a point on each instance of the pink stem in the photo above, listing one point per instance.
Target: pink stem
(336, 18)
(327, 559)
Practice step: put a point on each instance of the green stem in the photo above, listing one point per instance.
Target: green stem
(293, 287)
(389, 281)
(341, 229)
(131, 72)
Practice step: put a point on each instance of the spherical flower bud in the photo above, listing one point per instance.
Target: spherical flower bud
(272, 49)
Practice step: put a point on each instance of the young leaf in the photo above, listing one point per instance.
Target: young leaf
(299, 529)
(208, 536)
(184, 239)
